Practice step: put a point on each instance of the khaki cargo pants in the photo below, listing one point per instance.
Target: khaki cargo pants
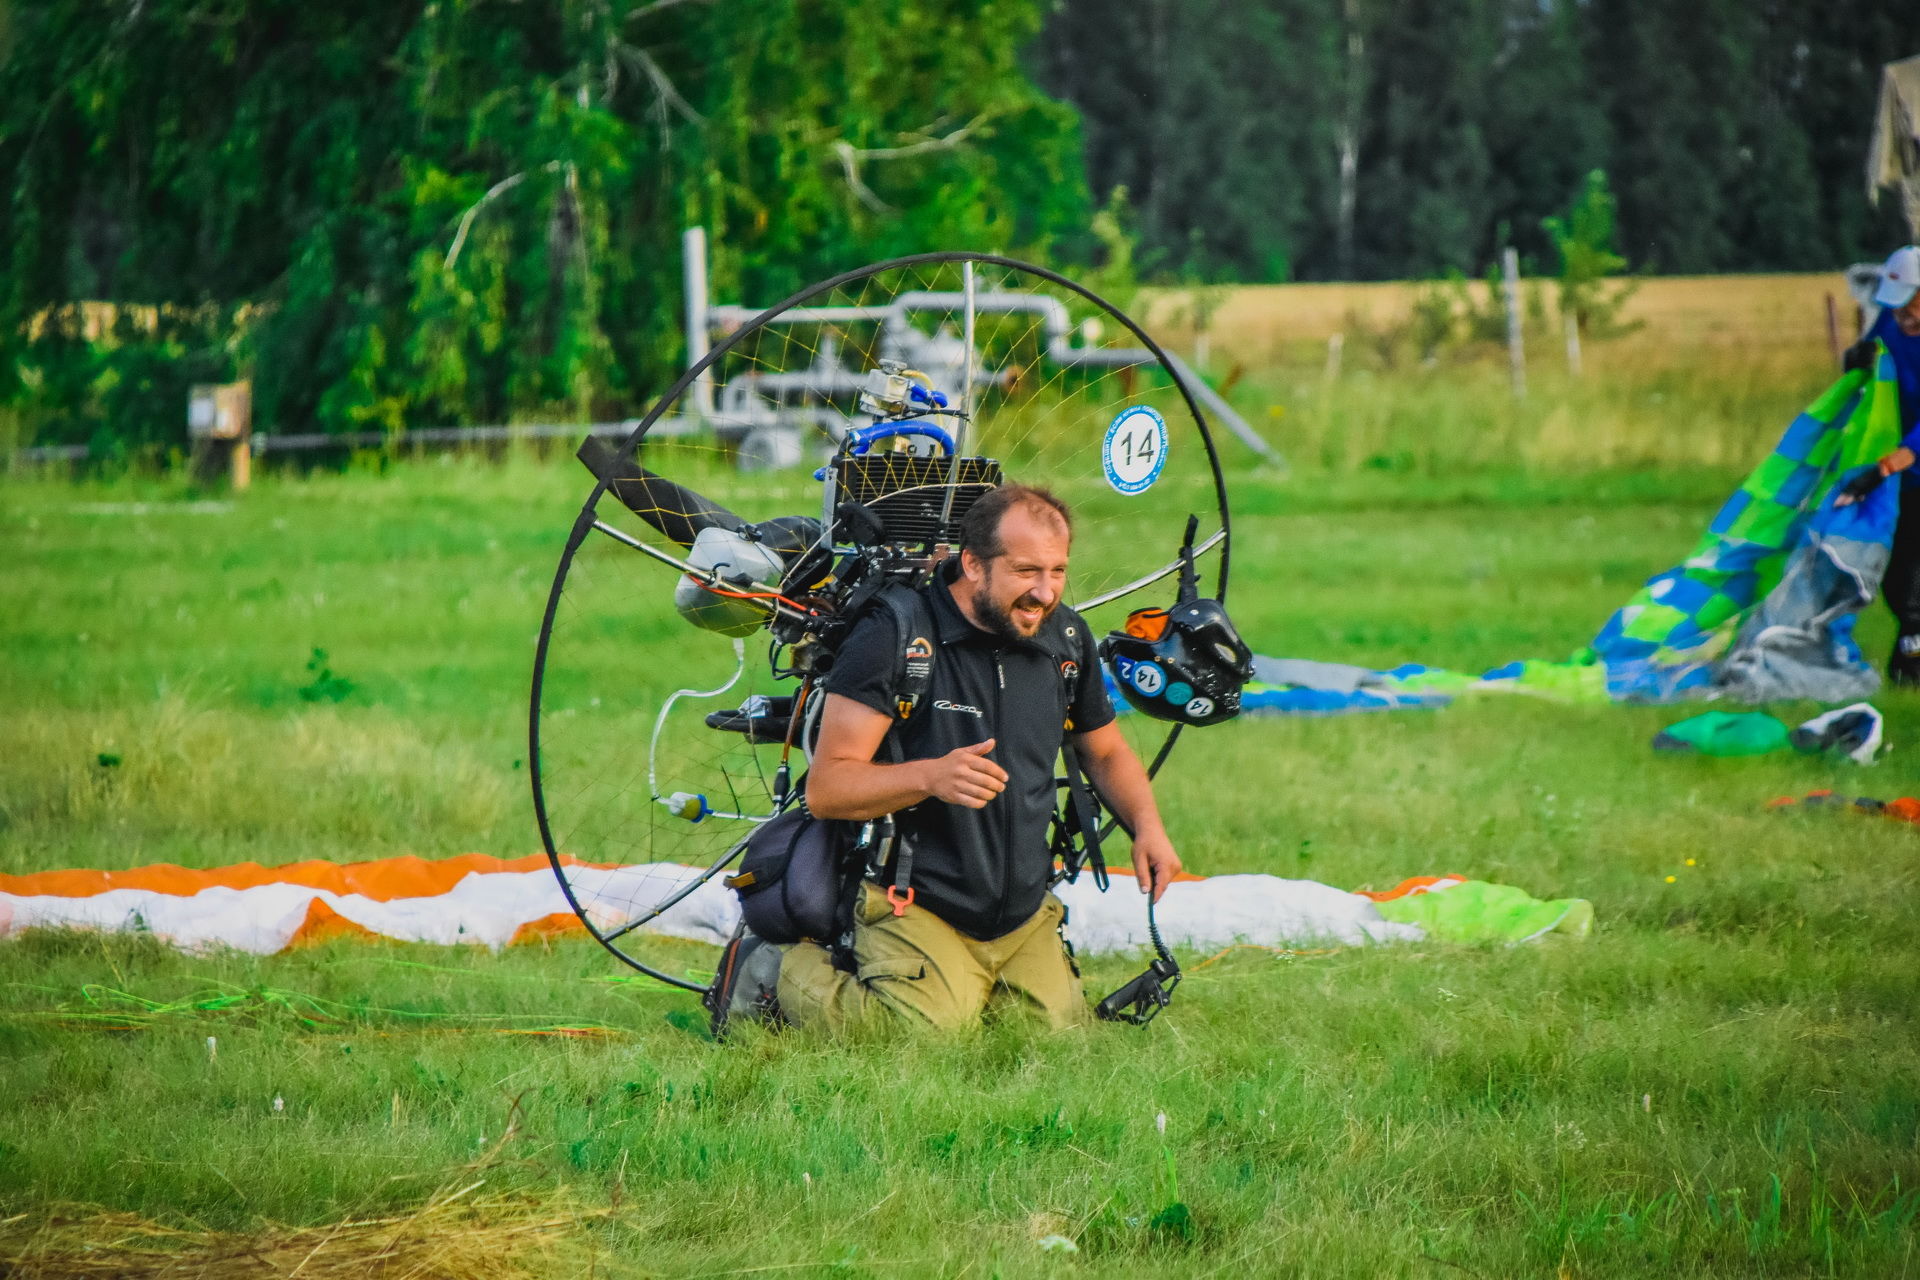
(920, 970)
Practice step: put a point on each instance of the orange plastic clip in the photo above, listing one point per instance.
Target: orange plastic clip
(899, 900)
(1147, 624)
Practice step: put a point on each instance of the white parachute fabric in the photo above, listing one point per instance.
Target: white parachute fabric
(491, 908)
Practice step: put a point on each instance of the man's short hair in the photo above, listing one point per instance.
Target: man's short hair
(980, 527)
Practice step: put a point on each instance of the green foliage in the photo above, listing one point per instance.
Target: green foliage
(455, 212)
(1114, 276)
(324, 686)
(1447, 316)
(1432, 320)
(1734, 129)
(1584, 241)
(438, 212)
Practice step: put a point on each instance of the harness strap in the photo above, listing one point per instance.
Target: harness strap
(915, 629)
(880, 839)
(1085, 815)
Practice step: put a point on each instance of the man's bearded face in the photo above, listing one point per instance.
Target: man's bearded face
(1010, 607)
(1908, 317)
(1020, 588)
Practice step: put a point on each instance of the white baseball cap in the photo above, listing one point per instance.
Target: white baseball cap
(1899, 278)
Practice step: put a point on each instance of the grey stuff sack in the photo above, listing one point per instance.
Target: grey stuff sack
(791, 877)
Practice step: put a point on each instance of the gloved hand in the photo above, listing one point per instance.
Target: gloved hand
(1858, 356)
(1859, 487)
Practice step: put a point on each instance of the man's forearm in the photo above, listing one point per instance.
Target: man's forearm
(856, 790)
(1124, 786)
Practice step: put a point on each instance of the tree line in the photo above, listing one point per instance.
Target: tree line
(394, 212)
(1380, 139)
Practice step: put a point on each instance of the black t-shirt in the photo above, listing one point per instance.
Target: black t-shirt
(984, 871)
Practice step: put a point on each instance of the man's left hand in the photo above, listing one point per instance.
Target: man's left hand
(1155, 864)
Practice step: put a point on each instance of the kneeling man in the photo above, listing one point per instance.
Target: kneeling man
(971, 785)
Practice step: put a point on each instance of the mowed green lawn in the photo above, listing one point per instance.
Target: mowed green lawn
(1721, 1081)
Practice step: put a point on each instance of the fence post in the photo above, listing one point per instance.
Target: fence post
(220, 426)
(1516, 348)
(1572, 323)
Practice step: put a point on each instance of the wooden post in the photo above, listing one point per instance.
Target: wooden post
(1516, 348)
(1833, 330)
(240, 465)
(220, 425)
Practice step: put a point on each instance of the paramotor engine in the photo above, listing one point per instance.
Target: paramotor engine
(712, 569)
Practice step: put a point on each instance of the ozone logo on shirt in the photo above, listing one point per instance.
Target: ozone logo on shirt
(943, 705)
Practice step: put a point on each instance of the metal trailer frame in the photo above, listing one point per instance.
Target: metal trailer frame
(741, 412)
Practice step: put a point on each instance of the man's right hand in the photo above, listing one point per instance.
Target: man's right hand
(964, 776)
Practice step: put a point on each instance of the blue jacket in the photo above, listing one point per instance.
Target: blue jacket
(1906, 371)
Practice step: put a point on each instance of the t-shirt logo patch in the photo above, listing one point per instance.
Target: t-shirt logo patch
(1069, 671)
(942, 704)
(919, 664)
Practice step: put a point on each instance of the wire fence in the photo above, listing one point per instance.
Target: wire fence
(262, 444)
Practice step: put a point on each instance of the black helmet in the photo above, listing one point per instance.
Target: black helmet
(1185, 664)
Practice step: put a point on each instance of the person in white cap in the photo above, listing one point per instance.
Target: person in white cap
(1897, 326)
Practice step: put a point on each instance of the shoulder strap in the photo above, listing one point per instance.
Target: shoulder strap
(1061, 642)
(914, 631)
(914, 628)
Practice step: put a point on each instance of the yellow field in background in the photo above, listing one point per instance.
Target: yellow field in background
(1258, 324)
(1710, 372)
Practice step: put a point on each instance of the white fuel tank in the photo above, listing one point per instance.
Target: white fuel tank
(741, 562)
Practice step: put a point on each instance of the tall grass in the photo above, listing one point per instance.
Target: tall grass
(1707, 373)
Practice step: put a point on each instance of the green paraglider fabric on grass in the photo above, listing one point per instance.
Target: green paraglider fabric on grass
(1479, 911)
(1724, 733)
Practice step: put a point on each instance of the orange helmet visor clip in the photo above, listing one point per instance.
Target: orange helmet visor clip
(1147, 624)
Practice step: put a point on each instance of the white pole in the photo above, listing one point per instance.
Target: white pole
(966, 395)
(1572, 324)
(1336, 347)
(966, 332)
(693, 277)
(1516, 348)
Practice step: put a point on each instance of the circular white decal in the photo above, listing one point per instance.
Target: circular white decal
(1148, 678)
(1200, 708)
(1135, 449)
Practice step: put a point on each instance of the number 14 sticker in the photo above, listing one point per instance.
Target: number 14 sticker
(1135, 449)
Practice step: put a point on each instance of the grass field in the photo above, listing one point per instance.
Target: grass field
(1722, 1081)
